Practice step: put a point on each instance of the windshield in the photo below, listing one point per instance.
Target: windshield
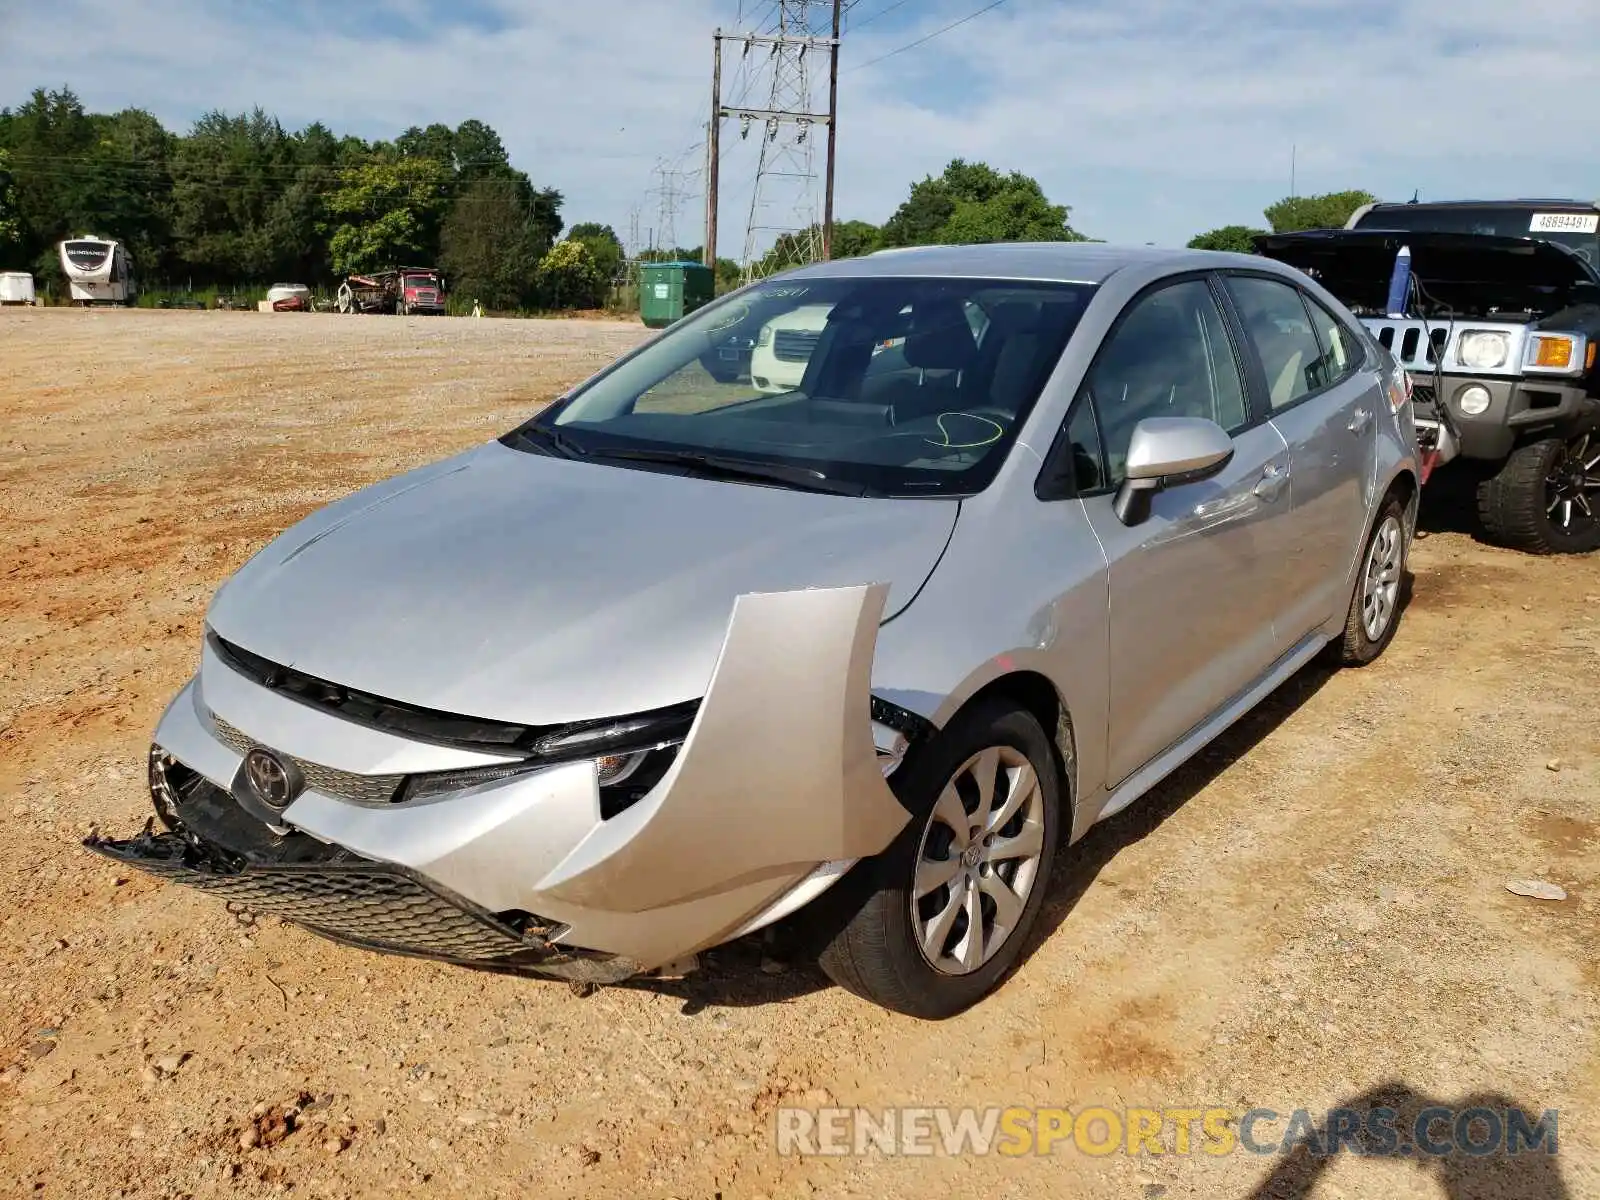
(896, 386)
(1579, 231)
(421, 281)
(87, 255)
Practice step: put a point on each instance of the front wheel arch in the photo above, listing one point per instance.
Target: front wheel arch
(1034, 693)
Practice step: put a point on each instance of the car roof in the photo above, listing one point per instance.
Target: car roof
(1060, 262)
(1584, 205)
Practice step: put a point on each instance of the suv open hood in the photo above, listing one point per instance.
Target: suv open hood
(1468, 274)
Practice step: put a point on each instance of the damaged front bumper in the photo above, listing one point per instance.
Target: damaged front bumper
(776, 790)
(370, 905)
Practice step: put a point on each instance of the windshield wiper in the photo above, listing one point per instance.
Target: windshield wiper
(719, 467)
(550, 441)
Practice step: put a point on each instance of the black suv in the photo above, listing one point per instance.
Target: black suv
(1497, 322)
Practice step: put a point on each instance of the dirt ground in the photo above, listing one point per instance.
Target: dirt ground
(1314, 913)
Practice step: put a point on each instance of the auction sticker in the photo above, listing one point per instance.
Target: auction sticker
(1567, 222)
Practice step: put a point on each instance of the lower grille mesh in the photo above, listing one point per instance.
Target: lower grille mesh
(373, 903)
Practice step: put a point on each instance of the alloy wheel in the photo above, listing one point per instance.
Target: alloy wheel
(1571, 486)
(1380, 578)
(978, 860)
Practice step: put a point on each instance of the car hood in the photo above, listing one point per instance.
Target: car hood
(1468, 273)
(515, 587)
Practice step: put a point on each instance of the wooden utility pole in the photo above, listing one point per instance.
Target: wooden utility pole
(713, 152)
(833, 131)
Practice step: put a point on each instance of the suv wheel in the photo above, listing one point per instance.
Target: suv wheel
(1546, 498)
(1375, 605)
(950, 904)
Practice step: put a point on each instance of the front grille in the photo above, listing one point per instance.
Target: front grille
(1416, 345)
(330, 781)
(377, 904)
(794, 345)
(1422, 396)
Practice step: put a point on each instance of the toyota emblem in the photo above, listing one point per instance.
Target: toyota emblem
(270, 779)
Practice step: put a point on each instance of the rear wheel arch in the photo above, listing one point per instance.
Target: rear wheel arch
(1406, 488)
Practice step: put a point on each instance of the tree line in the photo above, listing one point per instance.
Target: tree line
(240, 200)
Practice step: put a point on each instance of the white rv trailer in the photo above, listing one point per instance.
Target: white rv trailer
(99, 271)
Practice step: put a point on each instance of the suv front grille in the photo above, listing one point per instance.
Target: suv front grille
(330, 781)
(794, 345)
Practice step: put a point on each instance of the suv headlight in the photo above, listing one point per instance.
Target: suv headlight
(764, 338)
(1483, 350)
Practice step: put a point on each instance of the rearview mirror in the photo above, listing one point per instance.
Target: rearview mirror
(1167, 452)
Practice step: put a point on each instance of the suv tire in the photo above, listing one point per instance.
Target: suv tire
(879, 952)
(1521, 507)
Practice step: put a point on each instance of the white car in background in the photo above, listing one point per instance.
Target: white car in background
(784, 346)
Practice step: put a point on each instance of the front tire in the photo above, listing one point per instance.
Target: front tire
(1374, 613)
(1546, 498)
(950, 904)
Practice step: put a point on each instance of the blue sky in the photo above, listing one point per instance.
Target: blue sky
(1152, 119)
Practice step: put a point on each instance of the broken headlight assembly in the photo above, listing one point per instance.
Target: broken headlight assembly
(628, 749)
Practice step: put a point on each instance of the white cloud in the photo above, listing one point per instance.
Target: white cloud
(1154, 119)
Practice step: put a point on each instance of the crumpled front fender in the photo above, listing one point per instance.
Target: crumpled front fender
(777, 777)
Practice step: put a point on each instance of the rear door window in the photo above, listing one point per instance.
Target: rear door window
(1278, 325)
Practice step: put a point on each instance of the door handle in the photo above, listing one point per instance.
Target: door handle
(1271, 484)
(1360, 421)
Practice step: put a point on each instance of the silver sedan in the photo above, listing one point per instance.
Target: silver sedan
(680, 658)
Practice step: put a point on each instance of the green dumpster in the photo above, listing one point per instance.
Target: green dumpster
(669, 290)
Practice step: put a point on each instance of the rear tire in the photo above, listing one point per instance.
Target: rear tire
(1374, 613)
(967, 855)
(1537, 502)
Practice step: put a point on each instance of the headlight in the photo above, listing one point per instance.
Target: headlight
(438, 783)
(617, 748)
(891, 746)
(1483, 350)
(764, 338)
(1473, 399)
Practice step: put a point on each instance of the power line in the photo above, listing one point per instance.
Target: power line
(871, 17)
(921, 41)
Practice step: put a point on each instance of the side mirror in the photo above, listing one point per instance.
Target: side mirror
(1167, 452)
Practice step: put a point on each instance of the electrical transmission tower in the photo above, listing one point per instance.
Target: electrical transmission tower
(800, 44)
(669, 193)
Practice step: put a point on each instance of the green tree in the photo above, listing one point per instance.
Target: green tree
(852, 239)
(605, 247)
(228, 183)
(387, 212)
(73, 172)
(972, 202)
(1328, 211)
(491, 246)
(437, 142)
(10, 222)
(1237, 239)
(568, 277)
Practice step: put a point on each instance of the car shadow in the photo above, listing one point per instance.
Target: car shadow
(1078, 866)
(1483, 1158)
(1450, 501)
